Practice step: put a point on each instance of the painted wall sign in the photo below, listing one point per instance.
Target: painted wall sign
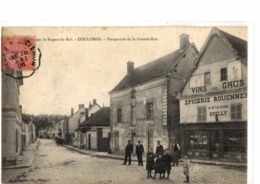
(233, 84)
(234, 70)
(216, 98)
(197, 81)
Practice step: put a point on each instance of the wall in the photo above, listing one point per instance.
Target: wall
(11, 120)
(74, 120)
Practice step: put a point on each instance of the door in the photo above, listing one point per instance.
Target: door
(89, 141)
(99, 139)
(215, 146)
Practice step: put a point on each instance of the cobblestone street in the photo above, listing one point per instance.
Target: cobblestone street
(57, 164)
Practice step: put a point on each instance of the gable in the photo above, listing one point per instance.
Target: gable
(216, 51)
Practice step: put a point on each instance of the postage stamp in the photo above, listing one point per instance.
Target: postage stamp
(18, 53)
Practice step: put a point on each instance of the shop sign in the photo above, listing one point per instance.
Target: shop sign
(217, 98)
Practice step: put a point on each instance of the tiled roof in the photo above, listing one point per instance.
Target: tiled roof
(150, 70)
(237, 43)
(100, 118)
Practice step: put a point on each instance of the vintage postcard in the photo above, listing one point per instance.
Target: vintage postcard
(140, 104)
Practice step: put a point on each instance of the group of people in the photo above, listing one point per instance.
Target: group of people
(161, 161)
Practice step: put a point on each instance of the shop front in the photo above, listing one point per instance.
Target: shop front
(225, 141)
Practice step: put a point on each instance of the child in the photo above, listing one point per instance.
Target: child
(186, 165)
(150, 162)
(159, 167)
(167, 159)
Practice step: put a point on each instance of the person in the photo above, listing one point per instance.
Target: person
(159, 148)
(176, 153)
(168, 161)
(186, 166)
(128, 152)
(150, 162)
(159, 167)
(139, 153)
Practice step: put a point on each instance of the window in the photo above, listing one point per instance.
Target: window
(132, 113)
(149, 111)
(198, 140)
(133, 122)
(235, 141)
(119, 115)
(223, 74)
(236, 111)
(116, 139)
(207, 78)
(202, 113)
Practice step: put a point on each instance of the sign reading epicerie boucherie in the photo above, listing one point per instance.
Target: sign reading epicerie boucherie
(218, 105)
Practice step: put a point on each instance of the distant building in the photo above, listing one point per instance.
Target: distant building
(96, 130)
(76, 118)
(11, 118)
(213, 120)
(145, 104)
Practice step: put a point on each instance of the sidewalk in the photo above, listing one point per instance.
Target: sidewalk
(26, 159)
(121, 157)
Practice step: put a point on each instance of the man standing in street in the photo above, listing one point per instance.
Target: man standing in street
(176, 153)
(159, 148)
(139, 150)
(128, 152)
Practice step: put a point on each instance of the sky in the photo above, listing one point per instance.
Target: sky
(80, 64)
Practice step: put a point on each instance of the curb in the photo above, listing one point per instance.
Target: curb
(192, 161)
(25, 165)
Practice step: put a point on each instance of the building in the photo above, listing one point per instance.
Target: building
(96, 130)
(78, 117)
(213, 120)
(145, 104)
(11, 118)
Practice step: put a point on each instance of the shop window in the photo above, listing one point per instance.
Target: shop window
(116, 140)
(202, 113)
(207, 78)
(119, 115)
(235, 141)
(198, 140)
(236, 111)
(223, 74)
(149, 107)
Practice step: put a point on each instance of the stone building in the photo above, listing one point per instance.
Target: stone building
(145, 104)
(213, 120)
(11, 118)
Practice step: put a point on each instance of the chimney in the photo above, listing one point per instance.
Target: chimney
(89, 105)
(184, 41)
(130, 67)
(72, 111)
(81, 106)
(86, 114)
(94, 101)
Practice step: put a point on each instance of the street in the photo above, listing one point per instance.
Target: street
(57, 164)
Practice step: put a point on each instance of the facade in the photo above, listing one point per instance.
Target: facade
(144, 105)
(12, 126)
(96, 131)
(213, 120)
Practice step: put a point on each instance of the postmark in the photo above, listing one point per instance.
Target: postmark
(18, 53)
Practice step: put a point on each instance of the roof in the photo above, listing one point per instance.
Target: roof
(156, 68)
(100, 118)
(237, 45)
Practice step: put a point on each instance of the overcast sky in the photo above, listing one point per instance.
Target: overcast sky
(75, 72)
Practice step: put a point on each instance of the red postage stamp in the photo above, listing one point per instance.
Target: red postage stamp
(18, 53)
